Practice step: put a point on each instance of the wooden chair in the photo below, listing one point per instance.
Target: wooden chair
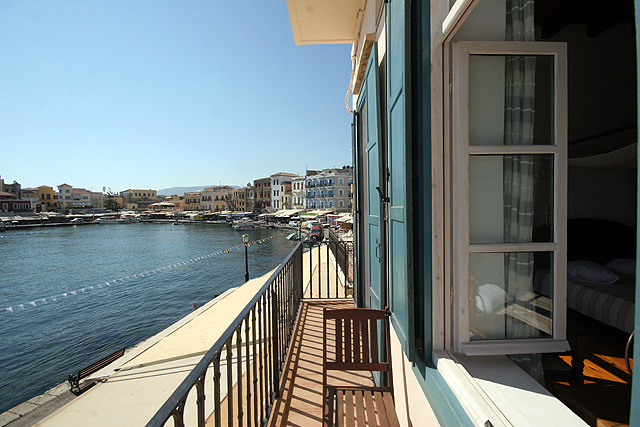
(355, 348)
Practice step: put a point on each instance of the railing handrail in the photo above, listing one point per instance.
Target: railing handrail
(165, 411)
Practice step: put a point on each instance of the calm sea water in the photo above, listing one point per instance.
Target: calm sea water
(42, 344)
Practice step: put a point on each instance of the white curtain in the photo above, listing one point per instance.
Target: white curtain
(519, 177)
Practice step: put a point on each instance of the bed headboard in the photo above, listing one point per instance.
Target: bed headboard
(599, 240)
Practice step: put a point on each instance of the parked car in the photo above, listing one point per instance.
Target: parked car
(317, 233)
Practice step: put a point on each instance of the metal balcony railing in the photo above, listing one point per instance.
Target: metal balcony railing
(246, 363)
(330, 267)
(266, 323)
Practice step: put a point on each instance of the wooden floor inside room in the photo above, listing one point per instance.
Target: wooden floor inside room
(604, 399)
(300, 402)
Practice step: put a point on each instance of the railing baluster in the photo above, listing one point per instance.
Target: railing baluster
(263, 357)
(274, 324)
(328, 273)
(270, 343)
(216, 391)
(200, 398)
(247, 341)
(310, 270)
(256, 359)
(337, 264)
(239, 373)
(230, 382)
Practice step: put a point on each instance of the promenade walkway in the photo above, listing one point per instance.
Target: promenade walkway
(132, 389)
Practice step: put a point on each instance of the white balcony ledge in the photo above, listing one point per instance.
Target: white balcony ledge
(323, 21)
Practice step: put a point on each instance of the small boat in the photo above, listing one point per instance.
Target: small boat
(296, 236)
(125, 219)
(244, 224)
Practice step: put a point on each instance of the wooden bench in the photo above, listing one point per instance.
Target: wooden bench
(355, 348)
(74, 380)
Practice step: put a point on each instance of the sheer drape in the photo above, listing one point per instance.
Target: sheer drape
(519, 176)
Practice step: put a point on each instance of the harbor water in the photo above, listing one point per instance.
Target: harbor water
(72, 295)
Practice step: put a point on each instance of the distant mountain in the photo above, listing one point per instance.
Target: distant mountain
(181, 190)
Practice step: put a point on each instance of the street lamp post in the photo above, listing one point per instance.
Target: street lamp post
(245, 239)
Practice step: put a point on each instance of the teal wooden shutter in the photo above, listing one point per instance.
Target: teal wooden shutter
(397, 155)
(369, 99)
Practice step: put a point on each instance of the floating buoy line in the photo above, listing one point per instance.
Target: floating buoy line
(55, 298)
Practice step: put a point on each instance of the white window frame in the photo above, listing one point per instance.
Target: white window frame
(460, 199)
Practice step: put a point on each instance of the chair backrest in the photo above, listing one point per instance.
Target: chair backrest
(355, 344)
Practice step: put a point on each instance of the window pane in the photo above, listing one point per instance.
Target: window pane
(511, 100)
(510, 295)
(511, 198)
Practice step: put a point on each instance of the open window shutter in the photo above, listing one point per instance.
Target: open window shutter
(369, 94)
(397, 155)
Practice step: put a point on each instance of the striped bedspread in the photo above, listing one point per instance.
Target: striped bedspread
(610, 304)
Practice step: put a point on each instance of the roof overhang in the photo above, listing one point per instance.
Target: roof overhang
(324, 21)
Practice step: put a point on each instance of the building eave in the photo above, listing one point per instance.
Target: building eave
(324, 21)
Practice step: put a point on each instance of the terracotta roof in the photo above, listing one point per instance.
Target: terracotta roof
(284, 174)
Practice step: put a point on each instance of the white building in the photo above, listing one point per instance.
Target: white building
(330, 189)
(298, 196)
(277, 190)
(207, 200)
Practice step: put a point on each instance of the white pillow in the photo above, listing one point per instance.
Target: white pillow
(591, 272)
(490, 298)
(625, 266)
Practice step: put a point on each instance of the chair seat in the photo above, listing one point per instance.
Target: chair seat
(361, 406)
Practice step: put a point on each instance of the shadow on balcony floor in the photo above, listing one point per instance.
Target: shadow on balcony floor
(300, 402)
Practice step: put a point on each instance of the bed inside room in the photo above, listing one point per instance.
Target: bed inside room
(601, 207)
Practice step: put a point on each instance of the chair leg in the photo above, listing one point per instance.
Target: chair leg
(327, 407)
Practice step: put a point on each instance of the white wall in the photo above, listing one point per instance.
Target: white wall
(412, 406)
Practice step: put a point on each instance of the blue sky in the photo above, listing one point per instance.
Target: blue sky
(160, 93)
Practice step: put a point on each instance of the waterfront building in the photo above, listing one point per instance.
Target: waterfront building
(81, 198)
(139, 199)
(97, 199)
(251, 202)
(163, 206)
(298, 192)
(277, 182)
(192, 201)
(13, 189)
(465, 197)
(262, 194)
(239, 200)
(31, 194)
(286, 195)
(206, 199)
(222, 198)
(178, 202)
(65, 198)
(9, 204)
(330, 189)
(47, 198)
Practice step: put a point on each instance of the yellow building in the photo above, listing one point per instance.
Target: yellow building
(139, 199)
(192, 201)
(239, 200)
(47, 198)
(221, 197)
(178, 202)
